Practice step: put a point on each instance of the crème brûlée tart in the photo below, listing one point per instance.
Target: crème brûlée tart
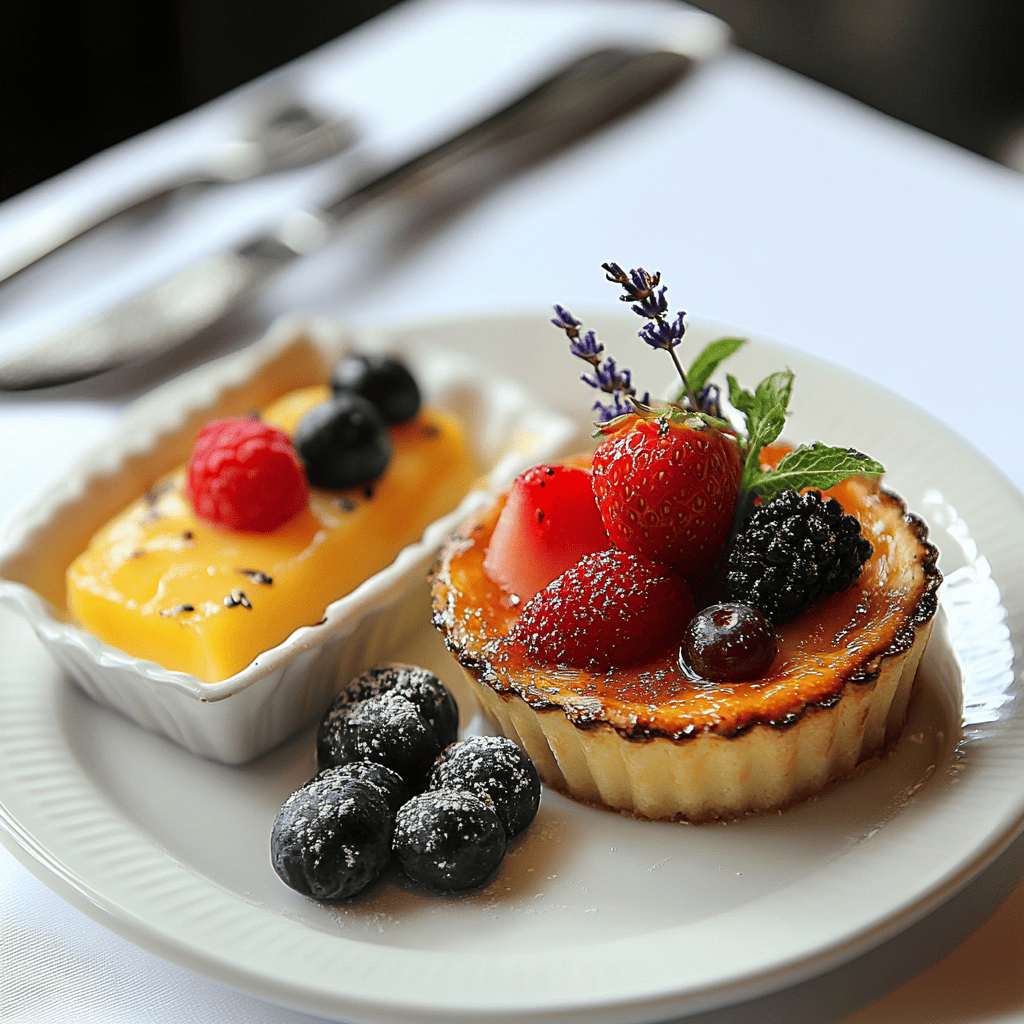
(164, 585)
(653, 740)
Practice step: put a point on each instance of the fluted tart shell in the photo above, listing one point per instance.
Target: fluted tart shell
(656, 742)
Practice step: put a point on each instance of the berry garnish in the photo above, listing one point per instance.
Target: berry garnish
(335, 742)
(794, 551)
(448, 839)
(388, 729)
(392, 786)
(382, 380)
(343, 442)
(549, 522)
(611, 609)
(728, 643)
(245, 475)
(667, 491)
(332, 837)
(495, 769)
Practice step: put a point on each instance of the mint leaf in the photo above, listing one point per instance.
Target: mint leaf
(707, 362)
(740, 398)
(817, 465)
(771, 400)
(766, 416)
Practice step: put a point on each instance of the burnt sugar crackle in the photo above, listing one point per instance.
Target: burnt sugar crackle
(815, 592)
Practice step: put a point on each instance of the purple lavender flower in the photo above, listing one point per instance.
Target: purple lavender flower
(589, 349)
(648, 298)
(609, 378)
(709, 400)
(660, 333)
(610, 412)
(565, 321)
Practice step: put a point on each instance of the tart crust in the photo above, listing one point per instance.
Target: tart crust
(654, 742)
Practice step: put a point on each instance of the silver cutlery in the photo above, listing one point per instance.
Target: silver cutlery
(288, 137)
(578, 99)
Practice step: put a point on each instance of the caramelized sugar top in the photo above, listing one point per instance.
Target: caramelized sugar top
(837, 641)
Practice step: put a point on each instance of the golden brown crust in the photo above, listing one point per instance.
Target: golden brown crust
(772, 741)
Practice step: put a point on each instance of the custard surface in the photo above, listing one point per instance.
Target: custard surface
(164, 586)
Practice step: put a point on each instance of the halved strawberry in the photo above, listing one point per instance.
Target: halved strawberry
(667, 491)
(611, 609)
(549, 522)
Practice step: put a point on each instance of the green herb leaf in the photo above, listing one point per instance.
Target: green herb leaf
(816, 465)
(740, 397)
(707, 362)
(765, 411)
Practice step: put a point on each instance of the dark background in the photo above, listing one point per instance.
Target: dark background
(77, 76)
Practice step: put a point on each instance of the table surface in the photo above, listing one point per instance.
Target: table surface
(769, 202)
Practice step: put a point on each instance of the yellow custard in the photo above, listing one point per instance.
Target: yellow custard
(164, 586)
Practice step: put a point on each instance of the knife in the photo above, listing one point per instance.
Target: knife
(580, 98)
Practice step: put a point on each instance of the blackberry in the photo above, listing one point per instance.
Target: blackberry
(794, 551)
(391, 785)
(387, 729)
(431, 698)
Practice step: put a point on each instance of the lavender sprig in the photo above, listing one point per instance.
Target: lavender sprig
(607, 376)
(650, 301)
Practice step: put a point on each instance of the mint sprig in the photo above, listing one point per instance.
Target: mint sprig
(816, 465)
(765, 412)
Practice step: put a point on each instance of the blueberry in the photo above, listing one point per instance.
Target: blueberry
(431, 696)
(422, 688)
(495, 769)
(382, 380)
(343, 442)
(332, 837)
(388, 729)
(728, 643)
(392, 786)
(448, 840)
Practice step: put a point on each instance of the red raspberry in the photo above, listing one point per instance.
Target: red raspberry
(668, 491)
(549, 522)
(611, 609)
(245, 475)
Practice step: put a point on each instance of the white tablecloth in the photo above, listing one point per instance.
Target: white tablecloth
(768, 202)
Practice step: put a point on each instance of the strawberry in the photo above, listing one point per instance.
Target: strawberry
(549, 522)
(667, 491)
(611, 609)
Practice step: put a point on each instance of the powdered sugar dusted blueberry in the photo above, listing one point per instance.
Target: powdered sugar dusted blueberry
(448, 839)
(332, 837)
(495, 769)
(388, 729)
(392, 786)
(422, 688)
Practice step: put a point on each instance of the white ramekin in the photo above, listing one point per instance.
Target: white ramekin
(241, 717)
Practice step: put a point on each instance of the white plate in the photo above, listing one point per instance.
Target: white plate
(592, 917)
